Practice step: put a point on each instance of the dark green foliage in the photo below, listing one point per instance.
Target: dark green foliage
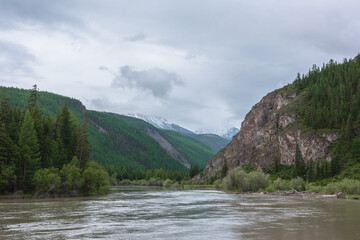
(125, 172)
(196, 150)
(283, 171)
(114, 142)
(34, 147)
(332, 96)
(248, 167)
(29, 159)
(82, 145)
(300, 169)
(330, 101)
(113, 139)
(212, 141)
(224, 169)
(193, 171)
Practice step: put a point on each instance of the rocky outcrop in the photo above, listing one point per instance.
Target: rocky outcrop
(269, 131)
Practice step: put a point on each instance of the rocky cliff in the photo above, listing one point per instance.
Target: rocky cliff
(270, 130)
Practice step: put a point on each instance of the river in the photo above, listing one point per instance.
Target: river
(152, 213)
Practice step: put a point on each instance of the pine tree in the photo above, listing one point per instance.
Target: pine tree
(5, 109)
(82, 145)
(33, 98)
(310, 171)
(299, 169)
(29, 160)
(67, 136)
(8, 149)
(224, 169)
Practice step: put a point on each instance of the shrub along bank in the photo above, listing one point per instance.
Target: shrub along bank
(238, 180)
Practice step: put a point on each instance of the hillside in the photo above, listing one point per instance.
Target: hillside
(119, 143)
(213, 141)
(318, 114)
(182, 147)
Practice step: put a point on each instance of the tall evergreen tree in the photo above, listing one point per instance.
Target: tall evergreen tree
(8, 149)
(224, 169)
(82, 145)
(29, 160)
(33, 98)
(299, 169)
(67, 136)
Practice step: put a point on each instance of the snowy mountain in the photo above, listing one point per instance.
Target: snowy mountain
(225, 133)
(161, 123)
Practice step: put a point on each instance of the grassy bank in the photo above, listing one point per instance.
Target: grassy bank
(156, 182)
(238, 180)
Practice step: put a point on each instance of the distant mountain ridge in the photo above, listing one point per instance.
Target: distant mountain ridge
(226, 133)
(211, 140)
(160, 122)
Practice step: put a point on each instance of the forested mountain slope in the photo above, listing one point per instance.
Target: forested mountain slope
(119, 143)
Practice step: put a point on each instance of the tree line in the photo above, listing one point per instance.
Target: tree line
(43, 154)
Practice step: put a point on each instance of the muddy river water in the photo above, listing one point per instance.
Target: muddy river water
(153, 213)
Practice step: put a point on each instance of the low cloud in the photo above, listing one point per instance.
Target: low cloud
(158, 81)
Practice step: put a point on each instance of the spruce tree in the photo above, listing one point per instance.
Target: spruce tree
(299, 169)
(82, 145)
(67, 134)
(224, 169)
(33, 98)
(8, 149)
(29, 160)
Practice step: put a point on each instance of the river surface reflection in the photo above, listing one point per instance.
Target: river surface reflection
(152, 213)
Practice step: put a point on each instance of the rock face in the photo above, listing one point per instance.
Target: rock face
(269, 131)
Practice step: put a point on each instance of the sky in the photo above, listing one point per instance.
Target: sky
(200, 64)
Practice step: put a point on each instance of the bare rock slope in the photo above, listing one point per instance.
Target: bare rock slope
(270, 130)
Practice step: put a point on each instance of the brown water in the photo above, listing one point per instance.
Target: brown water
(143, 213)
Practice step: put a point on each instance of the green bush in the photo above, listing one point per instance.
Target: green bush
(7, 177)
(154, 182)
(310, 187)
(168, 183)
(95, 180)
(70, 176)
(239, 180)
(346, 186)
(46, 181)
(285, 185)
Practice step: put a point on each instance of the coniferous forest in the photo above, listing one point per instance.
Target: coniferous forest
(44, 155)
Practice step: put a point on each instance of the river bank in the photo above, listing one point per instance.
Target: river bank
(294, 193)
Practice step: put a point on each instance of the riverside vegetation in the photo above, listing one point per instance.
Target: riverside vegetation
(45, 156)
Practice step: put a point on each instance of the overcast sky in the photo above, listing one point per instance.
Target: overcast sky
(200, 64)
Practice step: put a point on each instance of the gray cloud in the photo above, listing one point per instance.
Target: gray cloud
(159, 82)
(55, 13)
(15, 60)
(136, 37)
(231, 52)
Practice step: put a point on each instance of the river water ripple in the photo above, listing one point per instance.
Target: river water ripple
(151, 213)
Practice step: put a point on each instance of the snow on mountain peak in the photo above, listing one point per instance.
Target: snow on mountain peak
(160, 122)
(226, 133)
